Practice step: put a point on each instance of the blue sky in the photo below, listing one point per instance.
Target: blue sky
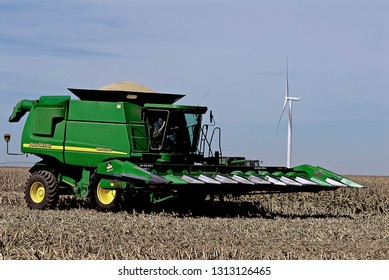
(338, 64)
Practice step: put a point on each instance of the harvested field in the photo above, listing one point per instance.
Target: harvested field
(344, 224)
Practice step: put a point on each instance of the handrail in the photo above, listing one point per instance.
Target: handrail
(205, 143)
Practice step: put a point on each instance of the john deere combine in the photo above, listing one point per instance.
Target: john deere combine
(117, 143)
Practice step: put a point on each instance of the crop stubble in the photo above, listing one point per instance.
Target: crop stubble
(344, 224)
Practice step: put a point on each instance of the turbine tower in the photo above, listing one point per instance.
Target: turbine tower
(288, 101)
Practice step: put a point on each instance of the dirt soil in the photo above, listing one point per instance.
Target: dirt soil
(341, 224)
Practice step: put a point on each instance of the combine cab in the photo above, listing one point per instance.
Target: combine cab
(116, 143)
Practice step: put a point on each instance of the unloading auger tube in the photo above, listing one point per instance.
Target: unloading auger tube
(126, 141)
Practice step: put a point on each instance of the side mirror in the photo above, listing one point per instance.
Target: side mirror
(7, 137)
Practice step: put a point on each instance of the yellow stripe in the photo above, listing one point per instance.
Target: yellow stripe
(79, 149)
(92, 150)
(69, 148)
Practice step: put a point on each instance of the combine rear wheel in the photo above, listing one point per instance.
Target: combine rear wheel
(41, 191)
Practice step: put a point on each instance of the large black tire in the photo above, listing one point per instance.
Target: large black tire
(105, 199)
(41, 190)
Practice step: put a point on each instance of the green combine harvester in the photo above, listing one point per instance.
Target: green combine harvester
(125, 141)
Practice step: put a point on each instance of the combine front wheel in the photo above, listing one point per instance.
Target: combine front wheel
(41, 191)
(106, 199)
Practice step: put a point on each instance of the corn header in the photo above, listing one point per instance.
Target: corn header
(118, 143)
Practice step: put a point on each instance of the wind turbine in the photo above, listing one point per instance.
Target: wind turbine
(288, 101)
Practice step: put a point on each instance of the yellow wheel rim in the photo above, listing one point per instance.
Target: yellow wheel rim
(37, 192)
(105, 196)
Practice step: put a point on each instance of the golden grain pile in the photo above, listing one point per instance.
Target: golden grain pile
(344, 224)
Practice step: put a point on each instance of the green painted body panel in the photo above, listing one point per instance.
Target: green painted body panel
(125, 170)
(44, 130)
(46, 119)
(82, 133)
(89, 143)
(106, 112)
(140, 140)
(92, 111)
(20, 109)
(321, 174)
(132, 112)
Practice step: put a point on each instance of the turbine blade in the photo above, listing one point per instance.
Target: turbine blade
(287, 79)
(282, 113)
(286, 94)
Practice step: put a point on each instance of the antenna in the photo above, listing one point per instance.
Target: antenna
(288, 101)
(205, 95)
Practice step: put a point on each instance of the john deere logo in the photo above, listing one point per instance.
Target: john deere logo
(109, 167)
